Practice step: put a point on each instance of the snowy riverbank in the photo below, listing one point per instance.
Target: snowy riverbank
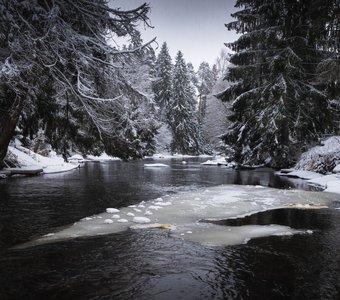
(24, 158)
(320, 166)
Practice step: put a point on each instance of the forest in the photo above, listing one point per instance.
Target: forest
(64, 84)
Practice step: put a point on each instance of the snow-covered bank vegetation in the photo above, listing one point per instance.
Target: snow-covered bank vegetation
(320, 166)
(122, 100)
(281, 87)
(322, 159)
(285, 89)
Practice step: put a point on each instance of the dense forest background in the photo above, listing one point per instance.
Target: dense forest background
(65, 85)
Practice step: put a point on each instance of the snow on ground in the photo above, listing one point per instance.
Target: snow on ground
(167, 155)
(330, 183)
(182, 213)
(102, 157)
(300, 174)
(319, 158)
(218, 161)
(52, 164)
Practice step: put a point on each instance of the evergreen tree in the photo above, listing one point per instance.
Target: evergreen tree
(192, 74)
(277, 108)
(205, 83)
(162, 85)
(64, 43)
(181, 116)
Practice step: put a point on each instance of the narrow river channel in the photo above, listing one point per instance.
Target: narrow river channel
(149, 264)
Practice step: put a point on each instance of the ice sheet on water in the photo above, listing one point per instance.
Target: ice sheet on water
(184, 211)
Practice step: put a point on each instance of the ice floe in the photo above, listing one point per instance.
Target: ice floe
(189, 210)
(155, 166)
(112, 210)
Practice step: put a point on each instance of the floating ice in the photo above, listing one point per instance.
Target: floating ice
(154, 207)
(112, 210)
(155, 165)
(115, 217)
(108, 221)
(122, 221)
(217, 203)
(141, 220)
(137, 210)
(130, 214)
(163, 203)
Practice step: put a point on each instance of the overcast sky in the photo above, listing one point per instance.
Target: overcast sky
(196, 27)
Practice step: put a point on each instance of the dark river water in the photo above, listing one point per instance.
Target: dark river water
(149, 264)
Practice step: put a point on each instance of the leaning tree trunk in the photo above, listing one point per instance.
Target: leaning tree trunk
(8, 122)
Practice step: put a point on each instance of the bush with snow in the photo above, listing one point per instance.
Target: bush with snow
(322, 159)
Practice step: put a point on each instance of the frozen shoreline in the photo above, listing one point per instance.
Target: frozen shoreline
(330, 183)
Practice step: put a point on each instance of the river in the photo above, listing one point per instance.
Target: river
(149, 264)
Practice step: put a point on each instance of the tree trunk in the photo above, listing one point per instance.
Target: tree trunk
(8, 123)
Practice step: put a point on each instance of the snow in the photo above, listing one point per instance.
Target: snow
(122, 221)
(300, 174)
(331, 182)
(333, 186)
(218, 161)
(188, 208)
(108, 221)
(102, 157)
(141, 220)
(337, 169)
(51, 164)
(112, 210)
(319, 159)
(77, 158)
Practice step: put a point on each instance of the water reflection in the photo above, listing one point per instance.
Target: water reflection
(149, 264)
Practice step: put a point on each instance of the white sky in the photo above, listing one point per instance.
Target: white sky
(196, 27)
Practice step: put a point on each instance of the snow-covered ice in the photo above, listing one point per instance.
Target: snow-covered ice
(108, 221)
(189, 208)
(156, 165)
(300, 174)
(141, 220)
(112, 210)
(123, 221)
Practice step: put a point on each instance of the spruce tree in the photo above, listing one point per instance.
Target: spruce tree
(205, 83)
(181, 115)
(277, 108)
(162, 85)
(66, 43)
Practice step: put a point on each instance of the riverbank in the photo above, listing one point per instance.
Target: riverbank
(319, 166)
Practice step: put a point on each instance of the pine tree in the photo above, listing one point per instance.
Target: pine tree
(162, 85)
(277, 109)
(181, 116)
